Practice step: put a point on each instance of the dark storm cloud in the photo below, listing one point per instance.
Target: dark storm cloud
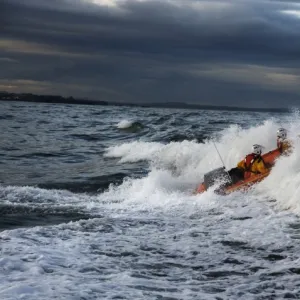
(158, 27)
(146, 50)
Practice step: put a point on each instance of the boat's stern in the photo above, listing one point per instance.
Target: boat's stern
(211, 178)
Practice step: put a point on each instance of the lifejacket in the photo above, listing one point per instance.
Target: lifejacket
(249, 160)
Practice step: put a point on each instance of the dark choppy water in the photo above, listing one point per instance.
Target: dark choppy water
(96, 203)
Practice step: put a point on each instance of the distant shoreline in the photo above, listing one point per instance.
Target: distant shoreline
(5, 96)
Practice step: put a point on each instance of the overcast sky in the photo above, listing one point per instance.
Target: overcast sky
(233, 52)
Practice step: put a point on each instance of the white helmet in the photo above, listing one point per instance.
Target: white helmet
(281, 133)
(257, 149)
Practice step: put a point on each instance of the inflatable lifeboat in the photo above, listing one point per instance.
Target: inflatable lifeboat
(221, 176)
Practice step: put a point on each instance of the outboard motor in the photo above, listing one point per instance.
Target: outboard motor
(217, 175)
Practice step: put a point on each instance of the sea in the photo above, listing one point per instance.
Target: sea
(97, 202)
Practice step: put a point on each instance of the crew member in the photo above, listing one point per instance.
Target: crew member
(252, 164)
(283, 144)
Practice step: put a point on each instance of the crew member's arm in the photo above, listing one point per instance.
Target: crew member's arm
(286, 147)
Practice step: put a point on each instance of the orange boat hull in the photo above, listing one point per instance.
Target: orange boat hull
(269, 159)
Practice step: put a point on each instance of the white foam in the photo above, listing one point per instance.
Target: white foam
(283, 183)
(134, 151)
(37, 196)
(190, 159)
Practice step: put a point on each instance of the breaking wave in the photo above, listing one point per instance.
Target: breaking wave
(130, 125)
(177, 167)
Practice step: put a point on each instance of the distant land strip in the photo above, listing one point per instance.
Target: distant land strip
(27, 97)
